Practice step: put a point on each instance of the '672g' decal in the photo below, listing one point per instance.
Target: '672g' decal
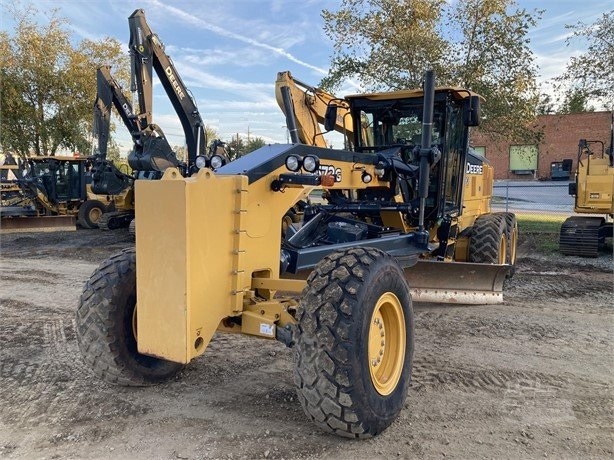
(330, 170)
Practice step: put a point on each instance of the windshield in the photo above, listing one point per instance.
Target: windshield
(396, 124)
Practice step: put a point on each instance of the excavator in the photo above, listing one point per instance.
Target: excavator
(108, 179)
(209, 256)
(593, 192)
(152, 153)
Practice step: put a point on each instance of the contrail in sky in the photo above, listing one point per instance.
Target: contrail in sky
(226, 33)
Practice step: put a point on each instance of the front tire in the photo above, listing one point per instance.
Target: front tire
(90, 213)
(106, 326)
(488, 242)
(355, 342)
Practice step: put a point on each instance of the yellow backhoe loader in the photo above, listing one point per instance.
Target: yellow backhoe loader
(593, 189)
(210, 257)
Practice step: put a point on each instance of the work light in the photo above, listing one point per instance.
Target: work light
(293, 162)
(311, 163)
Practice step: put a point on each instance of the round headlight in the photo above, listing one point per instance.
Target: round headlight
(293, 162)
(217, 161)
(311, 163)
(201, 161)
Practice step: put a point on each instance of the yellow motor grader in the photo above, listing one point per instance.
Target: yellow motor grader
(53, 192)
(210, 257)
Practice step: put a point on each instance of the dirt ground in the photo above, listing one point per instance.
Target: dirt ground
(531, 378)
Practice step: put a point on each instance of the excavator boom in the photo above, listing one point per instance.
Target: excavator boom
(147, 53)
(309, 105)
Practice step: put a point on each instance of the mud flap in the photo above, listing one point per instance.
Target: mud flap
(456, 282)
(37, 224)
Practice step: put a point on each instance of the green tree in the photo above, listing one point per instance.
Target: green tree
(238, 146)
(47, 86)
(478, 44)
(591, 74)
(254, 143)
(576, 101)
(545, 105)
(211, 134)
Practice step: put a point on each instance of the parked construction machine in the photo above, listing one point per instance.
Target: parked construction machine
(593, 189)
(308, 109)
(54, 191)
(107, 178)
(152, 154)
(210, 257)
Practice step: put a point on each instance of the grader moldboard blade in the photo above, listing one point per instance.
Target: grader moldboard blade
(456, 282)
(37, 224)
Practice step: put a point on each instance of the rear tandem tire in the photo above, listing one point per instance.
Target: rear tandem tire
(90, 213)
(106, 322)
(354, 343)
(488, 243)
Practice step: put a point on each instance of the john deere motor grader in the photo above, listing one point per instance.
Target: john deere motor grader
(53, 192)
(309, 109)
(593, 189)
(210, 257)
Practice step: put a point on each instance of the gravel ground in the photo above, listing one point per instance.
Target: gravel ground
(530, 378)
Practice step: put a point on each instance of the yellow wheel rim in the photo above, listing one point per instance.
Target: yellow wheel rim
(513, 243)
(387, 343)
(286, 221)
(503, 249)
(134, 322)
(95, 214)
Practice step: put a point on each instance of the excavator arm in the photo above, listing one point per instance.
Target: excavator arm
(109, 94)
(107, 179)
(147, 55)
(309, 106)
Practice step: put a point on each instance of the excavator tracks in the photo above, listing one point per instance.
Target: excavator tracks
(115, 220)
(580, 236)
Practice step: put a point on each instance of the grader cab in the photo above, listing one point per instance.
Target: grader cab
(210, 256)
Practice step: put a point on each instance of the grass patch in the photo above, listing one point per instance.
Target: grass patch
(541, 223)
(540, 232)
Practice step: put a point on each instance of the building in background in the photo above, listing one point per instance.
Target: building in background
(545, 160)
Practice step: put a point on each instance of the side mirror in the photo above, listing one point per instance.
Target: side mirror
(330, 117)
(471, 111)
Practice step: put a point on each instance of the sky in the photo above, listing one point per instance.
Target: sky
(228, 52)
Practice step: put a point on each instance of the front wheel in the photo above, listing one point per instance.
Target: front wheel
(90, 213)
(488, 242)
(106, 326)
(355, 342)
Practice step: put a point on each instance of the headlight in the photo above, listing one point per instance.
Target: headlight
(201, 161)
(293, 162)
(366, 177)
(311, 163)
(217, 161)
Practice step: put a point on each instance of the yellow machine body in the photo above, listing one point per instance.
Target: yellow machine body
(200, 265)
(595, 186)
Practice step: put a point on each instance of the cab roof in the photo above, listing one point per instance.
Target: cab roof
(457, 93)
(57, 157)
